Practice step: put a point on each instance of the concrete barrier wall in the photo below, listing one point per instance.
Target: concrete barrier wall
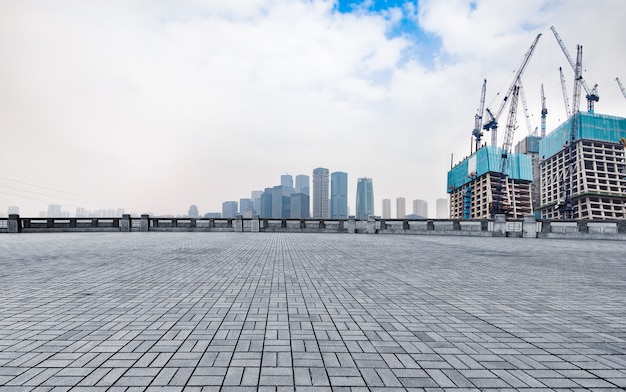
(498, 227)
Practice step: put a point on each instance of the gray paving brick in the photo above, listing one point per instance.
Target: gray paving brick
(310, 312)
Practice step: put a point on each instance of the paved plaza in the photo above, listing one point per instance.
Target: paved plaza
(309, 312)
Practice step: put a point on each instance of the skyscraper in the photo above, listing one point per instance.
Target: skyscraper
(420, 208)
(299, 206)
(386, 208)
(302, 184)
(442, 208)
(193, 211)
(286, 180)
(364, 198)
(265, 209)
(320, 193)
(339, 195)
(246, 207)
(400, 208)
(256, 200)
(229, 209)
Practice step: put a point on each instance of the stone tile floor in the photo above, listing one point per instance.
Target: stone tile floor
(309, 312)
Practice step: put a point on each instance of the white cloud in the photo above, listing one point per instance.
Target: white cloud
(155, 106)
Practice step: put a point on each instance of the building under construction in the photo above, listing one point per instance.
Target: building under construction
(582, 169)
(475, 184)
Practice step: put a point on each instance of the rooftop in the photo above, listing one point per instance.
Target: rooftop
(309, 312)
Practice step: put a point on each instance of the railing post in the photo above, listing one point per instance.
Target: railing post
(255, 224)
(13, 224)
(582, 226)
(145, 222)
(351, 224)
(371, 225)
(545, 226)
(499, 226)
(125, 223)
(529, 226)
(238, 223)
(621, 226)
(456, 225)
(405, 224)
(430, 224)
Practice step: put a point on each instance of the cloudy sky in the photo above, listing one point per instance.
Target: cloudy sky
(155, 105)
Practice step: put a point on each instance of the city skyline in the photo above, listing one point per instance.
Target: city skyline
(153, 108)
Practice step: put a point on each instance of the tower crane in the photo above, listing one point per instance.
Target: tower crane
(499, 206)
(591, 94)
(478, 118)
(522, 97)
(492, 124)
(544, 112)
(568, 110)
(621, 87)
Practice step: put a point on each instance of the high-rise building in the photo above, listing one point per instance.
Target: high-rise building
(582, 169)
(442, 208)
(339, 195)
(400, 208)
(475, 183)
(229, 209)
(530, 146)
(193, 211)
(386, 208)
(265, 210)
(320, 193)
(256, 200)
(281, 200)
(246, 207)
(299, 206)
(364, 198)
(54, 211)
(13, 210)
(420, 208)
(286, 180)
(302, 184)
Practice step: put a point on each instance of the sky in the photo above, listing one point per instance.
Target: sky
(153, 106)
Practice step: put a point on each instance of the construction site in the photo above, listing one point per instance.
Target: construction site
(577, 171)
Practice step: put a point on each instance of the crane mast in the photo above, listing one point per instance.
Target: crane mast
(492, 124)
(591, 94)
(498, 207)
(478, 118)
(544, 112)
(577, 82)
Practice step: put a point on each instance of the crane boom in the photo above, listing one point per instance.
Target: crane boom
(568, 110)
(591, 94)
(577, 79)
(621, 87)
(522, 97)
(478, 118)
(544, 112)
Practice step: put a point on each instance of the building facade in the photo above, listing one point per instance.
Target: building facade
(229, 209)
(476, 184)
(321, 193)
(530, 146)
(339, 195)
(299, 206)
(400, 207)
(420, 208)
(442, 208)
(364, 198)
(386, 208)
(246, 207)
(582, 169)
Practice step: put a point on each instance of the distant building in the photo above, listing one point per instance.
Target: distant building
(339, 195)
(386, 208)
(286, 180)
(530, 146)
(442, 208)
(320, 193)
(420, 208)
(246, 207)
(13, 210)
(229, 209)
(265, 210)
(302, 184)
(364, 198)
(213, 215)
(193, 211)
(400, 208)
(54, 211)
(256, 200)
(299, 206)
